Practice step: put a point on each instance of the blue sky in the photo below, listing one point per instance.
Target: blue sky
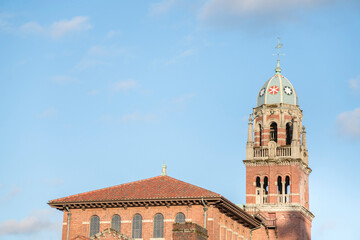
(99, 93)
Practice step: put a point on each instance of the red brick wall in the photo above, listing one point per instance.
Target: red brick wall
(298, 190)
(217, 223)
(290, 226)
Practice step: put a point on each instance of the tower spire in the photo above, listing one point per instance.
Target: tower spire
(163, 171)
(278, 46)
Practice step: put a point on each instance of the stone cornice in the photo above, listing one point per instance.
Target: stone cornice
(272, 162)
(292, 207)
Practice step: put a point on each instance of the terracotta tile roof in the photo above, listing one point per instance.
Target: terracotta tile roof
(160, 187)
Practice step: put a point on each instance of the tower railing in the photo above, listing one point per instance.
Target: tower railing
(283, 198)
(263, 152)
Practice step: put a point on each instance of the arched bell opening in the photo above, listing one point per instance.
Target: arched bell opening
(287, 189)
(260, 135)
(279, 190)
(258, 190)
(273, 132)
(265, 190)
(289, 133)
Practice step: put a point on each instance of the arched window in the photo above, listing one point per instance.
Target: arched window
(265, 190)
(137, 226)
(287, 189)
(180, 218)
(116, 222)
(258, 182)
(158, 226)
(273, 132)
(288, 133)
(260, 133)
(94, 225)
(279, 190)
(258, 190)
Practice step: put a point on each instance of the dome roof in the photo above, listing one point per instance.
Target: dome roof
(278, 89)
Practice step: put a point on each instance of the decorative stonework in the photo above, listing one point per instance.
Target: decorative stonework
(293, 207)
(289, 161)
(110, 233)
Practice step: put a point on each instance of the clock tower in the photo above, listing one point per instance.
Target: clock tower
(277, 163)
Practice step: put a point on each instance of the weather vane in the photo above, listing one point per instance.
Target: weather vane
(278, 46)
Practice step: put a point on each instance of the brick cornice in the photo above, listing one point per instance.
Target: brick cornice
(225, 206)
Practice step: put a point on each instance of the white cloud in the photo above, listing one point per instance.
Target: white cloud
(161, 7)
(48, 113)
(76, 24)
(89, 63)
(36, 222)
(32, 27)
(94, 92)
(234, 11)
(183, 54)
(348, 123)
(106, 51)
(63, 80)
(60, 28)
(138, 117)
(127, 118)
(354, 84)
(183, 99)
(14, 191)
(4, 24)
(112, 33)
(124, 85)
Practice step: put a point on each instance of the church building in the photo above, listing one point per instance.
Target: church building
(165, 208)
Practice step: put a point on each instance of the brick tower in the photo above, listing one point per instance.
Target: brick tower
(277, 170)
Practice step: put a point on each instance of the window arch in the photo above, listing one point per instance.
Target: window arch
(116, 222)
(137, 226)
(273, 132)
(260, 134)
(289, 132)
(94, 225)
(158, 226)
(180, 218)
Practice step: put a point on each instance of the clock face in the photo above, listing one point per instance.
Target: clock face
(273, 90)
(288, 90)
(262, 92)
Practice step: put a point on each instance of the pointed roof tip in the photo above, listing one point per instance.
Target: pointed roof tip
(163, 170)
(278, 68)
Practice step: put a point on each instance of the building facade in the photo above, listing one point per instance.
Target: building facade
(147, 209)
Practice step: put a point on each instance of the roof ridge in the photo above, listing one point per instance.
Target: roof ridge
(195, 186)
(96, 190)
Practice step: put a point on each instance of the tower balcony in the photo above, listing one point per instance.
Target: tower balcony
(264, 152)
(273, 152)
